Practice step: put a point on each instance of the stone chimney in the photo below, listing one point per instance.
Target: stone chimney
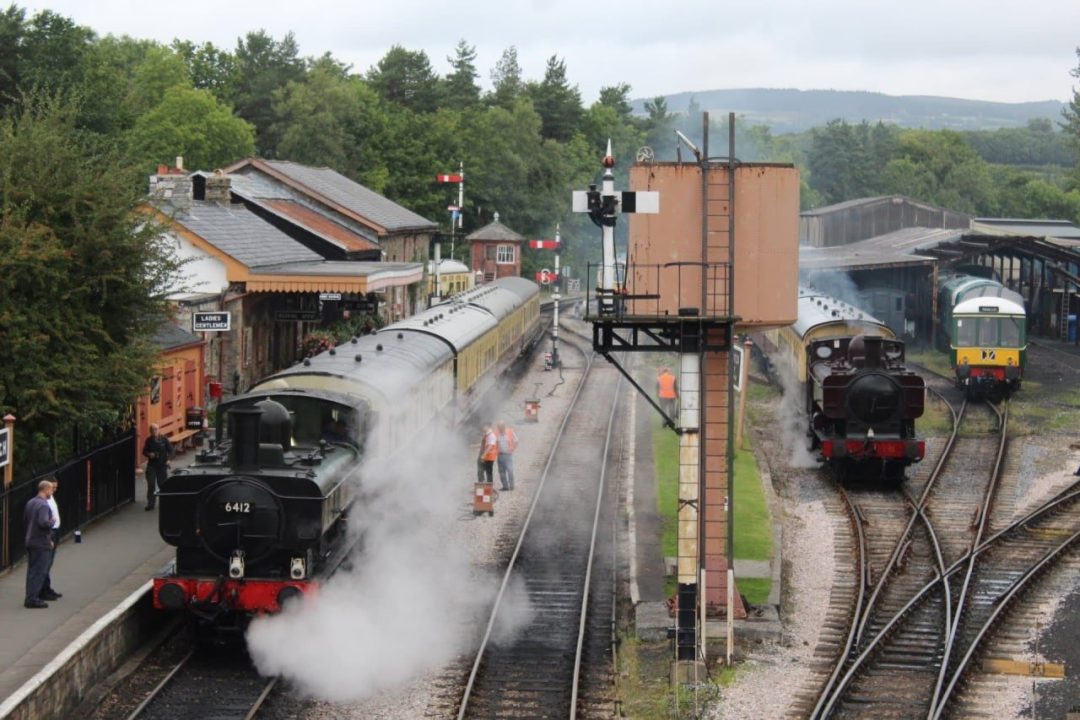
(171, 186)
(218, 187)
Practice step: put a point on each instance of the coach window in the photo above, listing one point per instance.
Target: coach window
(506, 255)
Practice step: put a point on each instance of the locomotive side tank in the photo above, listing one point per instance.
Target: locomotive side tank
(260, 516)
(860, 400)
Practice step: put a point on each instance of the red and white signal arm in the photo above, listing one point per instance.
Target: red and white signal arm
(546, 277)
(448, 178)
(544, 244)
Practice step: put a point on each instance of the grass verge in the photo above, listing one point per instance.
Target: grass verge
(752, 525)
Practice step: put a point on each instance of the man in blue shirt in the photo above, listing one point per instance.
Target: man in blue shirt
(39, 544)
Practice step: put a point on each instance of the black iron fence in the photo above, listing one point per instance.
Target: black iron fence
(90, 485)
(651, 290)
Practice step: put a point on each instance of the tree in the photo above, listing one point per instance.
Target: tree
(557, 102)
(461, 90)
(1071, 114)
(209, 67)
(617, 97)
(327, 119)
(194, 124)
(82, 274)
(506, 80)
(405, 77)
(263, 65)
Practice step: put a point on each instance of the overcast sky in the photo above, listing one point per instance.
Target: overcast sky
(1003, 50)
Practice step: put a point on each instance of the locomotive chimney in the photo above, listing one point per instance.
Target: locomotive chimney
(244, 431)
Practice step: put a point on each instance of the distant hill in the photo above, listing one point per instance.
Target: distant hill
(796, 110)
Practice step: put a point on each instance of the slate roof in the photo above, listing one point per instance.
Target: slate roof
(169, 335)
(322, 182)
(238, 232)
(495, 230)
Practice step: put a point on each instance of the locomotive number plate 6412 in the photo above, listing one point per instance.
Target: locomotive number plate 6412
(239, 507)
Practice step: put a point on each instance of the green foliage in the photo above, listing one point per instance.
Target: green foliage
(81, 276)
(1034, 145)
(323, 339)
(328, 119)
(405, 77)
(557, 102)
(263, 65)
(194, 124)
(506, 80)
(461, 91)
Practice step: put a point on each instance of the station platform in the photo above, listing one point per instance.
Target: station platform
(119, 553)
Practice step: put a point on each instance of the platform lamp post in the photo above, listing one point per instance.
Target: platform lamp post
(7, 450)
(555, 245)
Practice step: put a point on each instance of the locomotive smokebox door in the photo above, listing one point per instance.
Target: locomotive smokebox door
(483, 498)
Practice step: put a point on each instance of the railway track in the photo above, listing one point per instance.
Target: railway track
(890, 651)
(561, 574)
(207, 685)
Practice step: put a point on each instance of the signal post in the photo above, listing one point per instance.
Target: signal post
(686, 286)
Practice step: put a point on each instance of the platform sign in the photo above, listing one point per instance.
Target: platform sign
(296, 315)
(211, 321)
(5, 452)
(329, 296)
(736, 367)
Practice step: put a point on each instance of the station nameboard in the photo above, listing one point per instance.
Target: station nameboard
(211, 321)
(5, 453)
(294, 315)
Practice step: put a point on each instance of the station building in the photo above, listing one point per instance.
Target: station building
(281, 251)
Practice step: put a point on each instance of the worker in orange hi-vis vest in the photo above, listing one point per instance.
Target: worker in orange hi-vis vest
(489, 451)
(667, 389)
(507, 442)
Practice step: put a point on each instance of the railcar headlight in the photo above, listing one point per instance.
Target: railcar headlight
(297, 568)
(870, 433)
(236, 564)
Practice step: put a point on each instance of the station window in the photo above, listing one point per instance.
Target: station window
(506, 254)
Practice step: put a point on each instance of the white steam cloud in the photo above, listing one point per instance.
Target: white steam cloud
(793, 422)
(413, 598)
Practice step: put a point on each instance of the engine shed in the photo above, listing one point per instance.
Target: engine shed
(887, 254)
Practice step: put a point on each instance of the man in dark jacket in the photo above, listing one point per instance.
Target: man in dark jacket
(39, 544)
(158, 450)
